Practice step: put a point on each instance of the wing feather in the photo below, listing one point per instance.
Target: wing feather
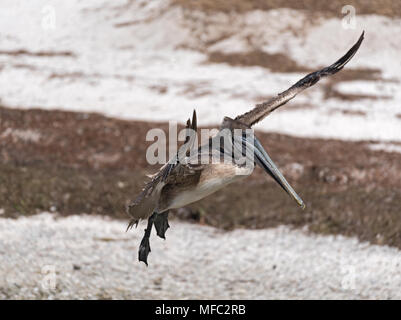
(146, 202)
(264, 109)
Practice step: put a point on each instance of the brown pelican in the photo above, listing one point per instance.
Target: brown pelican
(187, 178)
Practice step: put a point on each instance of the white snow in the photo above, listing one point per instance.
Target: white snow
(388, 147)
(131, 62)
(92, 257)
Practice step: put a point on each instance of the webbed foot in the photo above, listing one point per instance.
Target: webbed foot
(161, 224)
(144, 250)
(144, 247)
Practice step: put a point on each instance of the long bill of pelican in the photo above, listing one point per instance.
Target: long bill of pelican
(263, 160)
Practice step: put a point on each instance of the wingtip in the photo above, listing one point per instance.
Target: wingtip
(362, 36)
(358, 43)
(356, 46)
(194, 121)
(340, 63)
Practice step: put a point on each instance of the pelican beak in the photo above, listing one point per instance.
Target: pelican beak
(264, 161)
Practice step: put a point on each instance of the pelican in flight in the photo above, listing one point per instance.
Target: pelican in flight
(187, 177)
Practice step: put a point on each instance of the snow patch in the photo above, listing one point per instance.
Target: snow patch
(122, 51)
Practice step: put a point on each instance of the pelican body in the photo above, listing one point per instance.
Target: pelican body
(198, 171)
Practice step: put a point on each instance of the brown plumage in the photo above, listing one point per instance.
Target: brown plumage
(264, 109)
(184, 180)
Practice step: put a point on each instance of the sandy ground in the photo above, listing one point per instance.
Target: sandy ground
(90, 257)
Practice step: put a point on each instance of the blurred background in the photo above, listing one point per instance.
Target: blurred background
(81, 83)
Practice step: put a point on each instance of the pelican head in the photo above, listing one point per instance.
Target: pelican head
(255, 153)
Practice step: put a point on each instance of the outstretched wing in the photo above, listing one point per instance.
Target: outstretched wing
(262, 110)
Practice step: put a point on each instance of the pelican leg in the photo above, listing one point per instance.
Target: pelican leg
(144, 247)
(161, 224)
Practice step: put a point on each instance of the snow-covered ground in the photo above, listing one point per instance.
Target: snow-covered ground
(131, 61)
(90, 257)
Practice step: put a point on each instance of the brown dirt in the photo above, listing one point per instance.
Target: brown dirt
(349, 112)
(87, 163)
(23, 52)
(331, 8)
(277, 62)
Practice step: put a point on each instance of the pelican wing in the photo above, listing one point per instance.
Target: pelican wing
(144, 205)
(264, 109)
(146, 202)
